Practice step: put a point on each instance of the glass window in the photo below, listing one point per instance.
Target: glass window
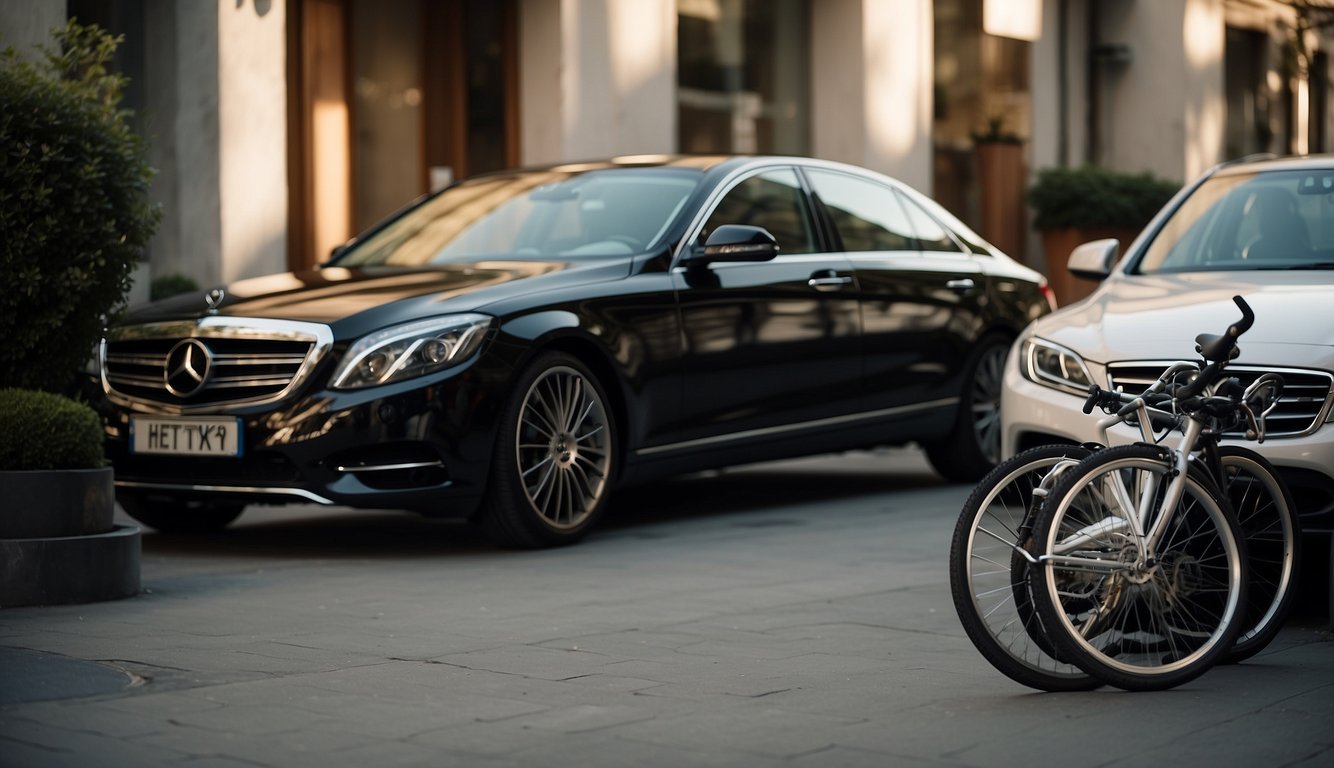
(742, 79)
(931, 235)
(867, 215)
(1276, 220)
(533, 216)
(772, 200)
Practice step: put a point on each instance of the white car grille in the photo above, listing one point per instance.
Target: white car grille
(1301, 410)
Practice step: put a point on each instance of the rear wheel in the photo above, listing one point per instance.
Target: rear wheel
(973, 446)
(1268, 521)
(170, 515)
(554, 457)
(1133, 622)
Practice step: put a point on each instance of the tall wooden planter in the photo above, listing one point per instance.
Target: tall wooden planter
(1056, 247)
(1000, 167)
(58, 540)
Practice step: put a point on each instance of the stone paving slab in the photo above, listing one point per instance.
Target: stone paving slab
(775, 628)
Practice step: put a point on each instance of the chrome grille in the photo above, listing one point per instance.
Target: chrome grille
(209, 365)
(1301, 410)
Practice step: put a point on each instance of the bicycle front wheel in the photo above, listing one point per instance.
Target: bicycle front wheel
(1268, 520)
(989, 572)
(1135, 622)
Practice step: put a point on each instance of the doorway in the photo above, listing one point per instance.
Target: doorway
(388, 101)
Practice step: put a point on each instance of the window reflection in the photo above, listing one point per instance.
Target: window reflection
(771, 200)
(742, 83)
(536, 215)
(867, 215)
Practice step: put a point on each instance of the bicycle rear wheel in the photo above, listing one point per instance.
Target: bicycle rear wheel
(1268, 520)
(1135, 624)
(989, 573)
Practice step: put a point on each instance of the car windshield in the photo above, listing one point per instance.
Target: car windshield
(1267, 220)
(533, 215)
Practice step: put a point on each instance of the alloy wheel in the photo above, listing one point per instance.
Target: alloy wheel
(563, 447)
(986, 397)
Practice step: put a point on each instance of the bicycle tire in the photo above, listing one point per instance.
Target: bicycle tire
(1269, 523)
(988, 575)
(1138, 628)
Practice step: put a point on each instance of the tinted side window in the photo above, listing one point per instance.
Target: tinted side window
(931, 236)
(867, 215)
(772, 200)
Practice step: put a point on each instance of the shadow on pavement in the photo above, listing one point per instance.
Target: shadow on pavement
(317, 532)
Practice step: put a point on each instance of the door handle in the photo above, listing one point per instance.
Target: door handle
(828, 280)
(961, 285)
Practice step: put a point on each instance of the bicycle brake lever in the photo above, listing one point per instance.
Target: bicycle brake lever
(1256, 430)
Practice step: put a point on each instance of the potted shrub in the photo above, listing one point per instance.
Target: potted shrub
(75, 216)
(58, 539)
(1076, 205)
(74, 221)
(53, 476)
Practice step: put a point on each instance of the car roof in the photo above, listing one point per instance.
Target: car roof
(1266, 163)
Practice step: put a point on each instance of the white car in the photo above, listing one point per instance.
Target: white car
(1263, 230)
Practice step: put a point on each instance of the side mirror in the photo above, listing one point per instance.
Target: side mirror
(1094, 261)
(738, 242)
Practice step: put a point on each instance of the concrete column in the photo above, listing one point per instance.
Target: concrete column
(252, 117)
(27, 23)
(597, 78)
(1163, 109)
(872, 61)
(181, 123)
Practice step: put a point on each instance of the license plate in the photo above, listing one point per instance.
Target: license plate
(200, 436)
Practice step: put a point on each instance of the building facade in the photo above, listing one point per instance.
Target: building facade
(280, 128)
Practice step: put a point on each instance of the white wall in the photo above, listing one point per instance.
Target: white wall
(26, 23)
(1164, 111)
(252, 118)
(872, 77)
(597, 78)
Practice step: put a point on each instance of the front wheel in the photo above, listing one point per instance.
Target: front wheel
(1138, 623)
(974, 444)
(554, 457)
(989, 572)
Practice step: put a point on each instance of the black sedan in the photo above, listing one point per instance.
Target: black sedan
(512, 348)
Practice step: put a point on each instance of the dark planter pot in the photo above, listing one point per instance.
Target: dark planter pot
(39, 504)
(59, 543)
(1057, 245)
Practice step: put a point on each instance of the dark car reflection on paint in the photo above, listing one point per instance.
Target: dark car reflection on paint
(512, 348)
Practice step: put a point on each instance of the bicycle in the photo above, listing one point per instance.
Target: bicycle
(990, 557)
(1143, 569)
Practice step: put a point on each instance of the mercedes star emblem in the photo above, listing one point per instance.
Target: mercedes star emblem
(188, 365)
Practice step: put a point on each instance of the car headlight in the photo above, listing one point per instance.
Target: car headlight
(1054, 366)
(409, 350)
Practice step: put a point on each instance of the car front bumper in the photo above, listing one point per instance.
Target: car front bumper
(425, 449)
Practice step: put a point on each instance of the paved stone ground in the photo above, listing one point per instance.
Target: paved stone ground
(795, 614)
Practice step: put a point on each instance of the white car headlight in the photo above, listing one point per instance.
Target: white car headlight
(1054, 366)
(408, 350)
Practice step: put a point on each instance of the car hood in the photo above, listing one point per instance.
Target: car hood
(1139, 317)
(381, 295)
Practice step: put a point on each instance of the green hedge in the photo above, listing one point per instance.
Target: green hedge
(74, 210)
(41, 430)
(1092, 197)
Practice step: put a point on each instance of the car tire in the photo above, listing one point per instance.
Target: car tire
(555, 456)
(168, 515)
(972, 447)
